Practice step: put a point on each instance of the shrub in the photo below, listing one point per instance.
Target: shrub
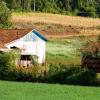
(21, 75)
(87, 12)
(83, 77)
(53, 68)
(56, 74)
(5, 15)
(73, 75)
(9, 70)
(5, 65)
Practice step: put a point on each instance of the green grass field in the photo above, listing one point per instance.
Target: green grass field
(39, 91)
(65, 51)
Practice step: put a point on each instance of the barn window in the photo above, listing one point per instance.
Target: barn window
(14, 47)
(25, 57)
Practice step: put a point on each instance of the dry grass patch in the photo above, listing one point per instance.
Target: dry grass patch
(55, 19)
(57, 26)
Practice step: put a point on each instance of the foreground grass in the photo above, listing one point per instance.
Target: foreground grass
(36, 91)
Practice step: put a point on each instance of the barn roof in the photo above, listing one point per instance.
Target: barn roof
(9, 35)
(39, 35)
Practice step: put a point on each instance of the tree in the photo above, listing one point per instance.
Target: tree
(5, 15)
(86, 8)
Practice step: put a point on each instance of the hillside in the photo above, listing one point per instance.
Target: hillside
(36, 91)
(54, 24)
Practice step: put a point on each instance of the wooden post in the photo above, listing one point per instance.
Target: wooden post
(34, 5)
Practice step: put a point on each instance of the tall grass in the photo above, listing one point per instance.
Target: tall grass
(65, 51)
(54, 19)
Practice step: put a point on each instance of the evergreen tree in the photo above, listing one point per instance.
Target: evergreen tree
(78, 7)
(5, 15)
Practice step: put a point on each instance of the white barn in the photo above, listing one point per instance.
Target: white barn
(30, 43)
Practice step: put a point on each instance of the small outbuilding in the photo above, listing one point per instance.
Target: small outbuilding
(30, 43)
(91, 56)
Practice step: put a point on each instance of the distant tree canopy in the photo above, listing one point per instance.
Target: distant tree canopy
(88, 8)
(5, 15)
(24, 5)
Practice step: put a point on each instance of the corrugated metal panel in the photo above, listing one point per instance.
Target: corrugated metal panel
(39, 35)
(34, 36)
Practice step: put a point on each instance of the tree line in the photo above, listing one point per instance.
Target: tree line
(88, 8)
(69, 7)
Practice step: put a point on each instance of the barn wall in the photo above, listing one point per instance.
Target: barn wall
(31, 48)
(30, 44)
(41, 49)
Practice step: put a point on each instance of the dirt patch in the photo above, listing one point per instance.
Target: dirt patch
(60, 31)
(54, 25)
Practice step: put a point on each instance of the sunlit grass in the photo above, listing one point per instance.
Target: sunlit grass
(55, 19)
(39, 91)
(65, 51)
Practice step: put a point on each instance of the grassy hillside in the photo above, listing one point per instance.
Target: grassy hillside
(55, 24)
(66, 51)
(54, 19)
(36, 91)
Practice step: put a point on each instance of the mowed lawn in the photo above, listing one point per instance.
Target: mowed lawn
(39, 91)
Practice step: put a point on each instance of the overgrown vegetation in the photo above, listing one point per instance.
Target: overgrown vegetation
(5, 15)
(65, 51)
(88, 8)
(58, 69)
(73, 75)
(59, 74)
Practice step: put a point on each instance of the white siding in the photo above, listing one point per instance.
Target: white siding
(30, 45)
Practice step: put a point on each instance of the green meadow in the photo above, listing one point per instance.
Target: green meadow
(39, 91)
(65, 51)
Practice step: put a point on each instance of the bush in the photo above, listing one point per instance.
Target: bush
(83, 77)
(5, 64)
(5, 15)
(61, 74)
(21, 75)
(9, 71)
(73, 75)
(87, 12)
(56, 74)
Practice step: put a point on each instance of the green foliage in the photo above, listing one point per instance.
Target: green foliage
(19, 5)
(49, 73)
(87, 12)
(9, 70)
(21, 75)
(88, 8)
(5, 65)
(8, 63)
(5, 15)
(73, 75)
(82, 77)
(59, 73)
